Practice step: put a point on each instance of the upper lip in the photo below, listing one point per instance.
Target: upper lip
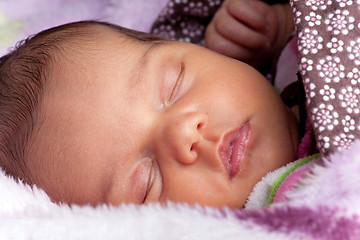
(232, 149)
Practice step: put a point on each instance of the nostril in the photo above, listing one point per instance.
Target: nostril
(193, 147)
(200, 125)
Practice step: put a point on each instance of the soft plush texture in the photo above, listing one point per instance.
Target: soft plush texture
(324, 205)
(273, 182)
(22, 18)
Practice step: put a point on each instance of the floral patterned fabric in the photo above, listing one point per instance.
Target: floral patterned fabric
(329, 49)
(185, 20)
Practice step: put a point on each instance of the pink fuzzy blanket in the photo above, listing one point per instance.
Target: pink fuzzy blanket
(324, 205)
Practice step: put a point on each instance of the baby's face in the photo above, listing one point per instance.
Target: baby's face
(137, 123)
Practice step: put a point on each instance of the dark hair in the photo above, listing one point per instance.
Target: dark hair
(23, 74)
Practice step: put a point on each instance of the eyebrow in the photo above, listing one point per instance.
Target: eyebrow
(144, 61)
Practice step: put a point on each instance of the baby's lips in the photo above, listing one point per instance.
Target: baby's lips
(239, 150)
(232, 149)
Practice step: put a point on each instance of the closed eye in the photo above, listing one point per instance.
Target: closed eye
(150, 181)
(176, 88)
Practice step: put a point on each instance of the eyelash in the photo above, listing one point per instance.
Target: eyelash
(173, 94)
(150, 180)
(177, 84)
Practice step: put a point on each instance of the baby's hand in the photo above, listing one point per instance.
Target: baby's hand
(247, 30)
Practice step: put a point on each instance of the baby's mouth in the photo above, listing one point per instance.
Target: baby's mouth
(232, 149)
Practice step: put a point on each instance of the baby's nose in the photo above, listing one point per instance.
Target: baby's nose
(184, 133)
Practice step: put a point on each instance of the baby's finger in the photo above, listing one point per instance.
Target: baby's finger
(219, 44)
(240, 34)
(250, 12)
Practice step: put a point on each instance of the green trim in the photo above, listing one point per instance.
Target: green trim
(277, 89)
(282, 177)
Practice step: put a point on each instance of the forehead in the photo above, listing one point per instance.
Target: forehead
(98, 71)
(112, 50)
(107, 51)
(110, 65)
(87, 88)
(104, 31)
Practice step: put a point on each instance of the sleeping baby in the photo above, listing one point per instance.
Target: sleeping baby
(94, 113)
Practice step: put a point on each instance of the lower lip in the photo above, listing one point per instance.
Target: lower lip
(233, 149)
